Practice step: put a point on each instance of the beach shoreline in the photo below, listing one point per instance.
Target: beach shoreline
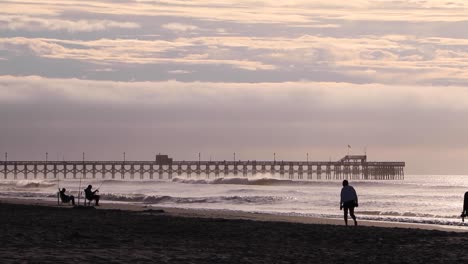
(242, 215)
(41, 232)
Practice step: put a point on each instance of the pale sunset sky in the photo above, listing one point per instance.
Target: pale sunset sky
(251, 77)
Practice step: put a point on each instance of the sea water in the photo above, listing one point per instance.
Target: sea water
(432, 199)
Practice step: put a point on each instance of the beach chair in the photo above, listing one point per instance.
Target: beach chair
(87, 202)
(60, 201)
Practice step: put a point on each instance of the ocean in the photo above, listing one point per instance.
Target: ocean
(430, 199)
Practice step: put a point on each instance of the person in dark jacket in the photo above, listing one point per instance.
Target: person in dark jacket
(348, 201)
(66, 198)
(91, 195)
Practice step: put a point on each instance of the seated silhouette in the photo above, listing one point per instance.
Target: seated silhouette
(91, 195)
(66, 198)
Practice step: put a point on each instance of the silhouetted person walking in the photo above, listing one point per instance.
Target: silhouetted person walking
(66, 198)
(91, 195)
(465, 207)
(348, 201)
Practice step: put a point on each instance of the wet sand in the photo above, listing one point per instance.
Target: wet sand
(39, 232)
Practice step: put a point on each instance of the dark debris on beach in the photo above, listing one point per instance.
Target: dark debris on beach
(41, 234)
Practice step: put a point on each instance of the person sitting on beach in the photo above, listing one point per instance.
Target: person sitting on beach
(465, 207)
(348, 201)
(91, 195)
(66, 198)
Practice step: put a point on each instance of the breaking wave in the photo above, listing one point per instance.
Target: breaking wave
(405, 214)
(27, 184)
(240, 181)
(165, 199)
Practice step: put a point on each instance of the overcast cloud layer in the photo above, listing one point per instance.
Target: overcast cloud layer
(251, 77)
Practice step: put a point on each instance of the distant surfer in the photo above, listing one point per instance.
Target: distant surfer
(66, 198)
(465, 207)
(348, 201)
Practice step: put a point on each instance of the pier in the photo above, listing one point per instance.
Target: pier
(353, 167)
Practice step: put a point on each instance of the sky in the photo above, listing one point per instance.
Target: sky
(251, 77)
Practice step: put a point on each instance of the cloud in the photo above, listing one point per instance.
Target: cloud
(179, 72)
(39, 24)
(173, 94)
(258, 12)
(382, 59)
(297, 39)
(178, 27)
(121, 51)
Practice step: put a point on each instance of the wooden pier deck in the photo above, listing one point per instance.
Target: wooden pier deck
(355, 167)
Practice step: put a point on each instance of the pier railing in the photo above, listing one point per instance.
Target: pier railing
(351, 168)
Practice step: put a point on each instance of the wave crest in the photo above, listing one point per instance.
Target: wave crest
(165, 199)
(33, 184)
(405, 214)
(239, 181)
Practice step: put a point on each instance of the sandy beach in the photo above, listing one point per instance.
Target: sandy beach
(40, 232)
